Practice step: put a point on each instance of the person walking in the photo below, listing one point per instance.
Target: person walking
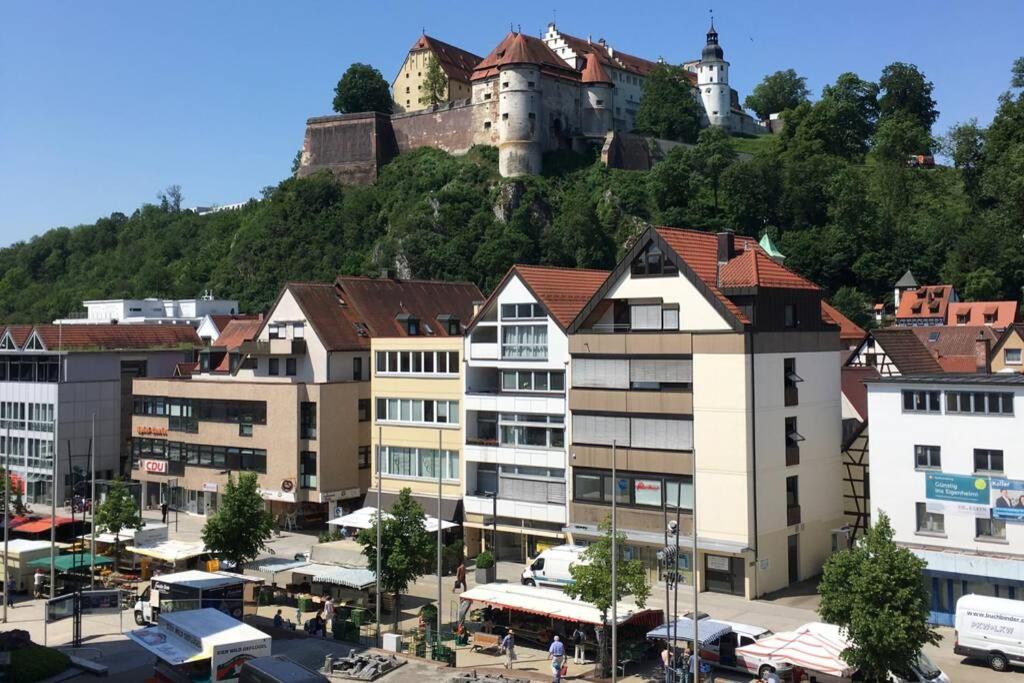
(556, 653)
(579, 655)
(37, 584)
(163, 512)
(460, 577)
(11, 587)
(683, 665)
(508, 646)
(328, 615)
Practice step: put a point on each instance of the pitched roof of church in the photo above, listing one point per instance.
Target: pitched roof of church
(519, 48)
(457, 63)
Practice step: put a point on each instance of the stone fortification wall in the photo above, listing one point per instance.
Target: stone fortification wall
(453, 127)
(352, 146)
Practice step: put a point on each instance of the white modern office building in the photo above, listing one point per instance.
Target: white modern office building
(947, 467)
(152, 311)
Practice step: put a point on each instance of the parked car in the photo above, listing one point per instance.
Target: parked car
(551, 567)
(721, 651)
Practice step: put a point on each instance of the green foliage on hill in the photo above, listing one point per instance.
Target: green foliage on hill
(841, 222)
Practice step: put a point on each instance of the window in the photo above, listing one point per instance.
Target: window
(521, 430)
(419, 463)
(524, 341)
(987, 460)
(417, 362)
(275, 331)
(921, 401)
(639, 432)
(307, 420)
(307, 470)
(930, 522)
(245, 429)
(364, 409)
(790, 380)
(298, 330)
(504, 117)
(289, 367)
(417, 411)
(357, 368)
(487, 125)
(532, 380)
(927, 457)
(274, 366)
(792, 492)
(793, 439)
(989, 529)
(652, 262)
(200, 455)
(634, 490)
(1011, 356)
(790, 319)
(364, 457)
(986, 402)
(522, 312)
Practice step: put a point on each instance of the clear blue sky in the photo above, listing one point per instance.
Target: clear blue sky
(104, 104)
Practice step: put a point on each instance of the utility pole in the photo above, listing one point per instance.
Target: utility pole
(92, 497)
(615, 567)
(7, 510)
(440, 465)
(379, 520)
(56, 460)
(696, 581)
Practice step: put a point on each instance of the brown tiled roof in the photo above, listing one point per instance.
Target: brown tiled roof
(925, 302)
(620, 60)
(955, 347)
(593, 72)
(906, 350)
(755, 268)
(1005, 313)
(849, 331)
(236, 332)
(221, 321)
(376, 303)
(19, 334)
(115, 337)
(853, 388)
(326, 315)
(563, 291)
(185, 369)
(458, 64)
(519, 48)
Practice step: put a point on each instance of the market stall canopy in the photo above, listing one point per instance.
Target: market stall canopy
(16, 546)
(815, 646)
(708, 630)
(154, 530)
(171, 551)
(191, 635)
(554, 603)
(363, 519)
(272, 569)
(65, 563)
(37, 526)
(350, 577)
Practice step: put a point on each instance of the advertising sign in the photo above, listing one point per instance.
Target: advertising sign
(60, 607)
(229, 657)
(155, 466)
(1007, 499)
(100, 602)
(957, 488)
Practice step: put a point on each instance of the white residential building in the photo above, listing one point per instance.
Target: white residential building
(151, 311)
(947, 467)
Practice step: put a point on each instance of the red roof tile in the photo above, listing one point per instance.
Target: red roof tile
(925, 302)
(615, 58)
(849, 331)
(19, 334)
(115, 337)
(377, 303)
(325, 313)
(907, 352)
(519, 48)
(221, 321)
(457, 63)
(755, 268)
(853, 388)
(236, 332)
(974, 313)
(563, 291)
(593, 72)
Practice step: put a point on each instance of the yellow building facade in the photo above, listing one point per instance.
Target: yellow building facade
(408, 86)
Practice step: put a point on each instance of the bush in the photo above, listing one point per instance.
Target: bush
(37, 663)
(484, 560)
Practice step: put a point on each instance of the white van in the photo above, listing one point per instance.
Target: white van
(551, 567)
(991, 629)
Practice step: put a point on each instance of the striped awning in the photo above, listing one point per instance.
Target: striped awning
(350, 577)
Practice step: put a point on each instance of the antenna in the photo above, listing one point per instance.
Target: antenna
(554, 16)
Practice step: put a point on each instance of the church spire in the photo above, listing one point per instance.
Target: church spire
(712, 50)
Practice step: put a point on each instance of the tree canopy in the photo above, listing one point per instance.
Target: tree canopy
(435, 83)
(776, 93)
(362, 88)
(118, 511)
(668, 109)
(905, 90)
(241, 527)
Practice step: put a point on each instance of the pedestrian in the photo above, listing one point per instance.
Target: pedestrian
(556, 653)
(684, 664)
(508, 646)
(37, 584)
(278, 620)
(11, 587)
(488, 617)
(328, 615)
(579, 655)
(460, 577)
(163, 512)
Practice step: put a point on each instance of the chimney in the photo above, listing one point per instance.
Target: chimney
(726, 246)
(981, 354)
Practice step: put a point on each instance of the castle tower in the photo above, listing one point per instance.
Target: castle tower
(519, 150)
(713, 81)
(597, 98)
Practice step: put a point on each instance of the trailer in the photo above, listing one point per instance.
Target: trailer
(228, 593)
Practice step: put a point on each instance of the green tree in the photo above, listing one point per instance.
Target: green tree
(965, 145)
(854, 107)
(406, 548)
(435, 84)
(240, 528)
(899, 136)
(982, 284)
(362, 88)
(119, 511)
(713, 156)
(668, 109)
(875, 593)
(776, 93)
(592, 580)
(906, 90)
(852, 303)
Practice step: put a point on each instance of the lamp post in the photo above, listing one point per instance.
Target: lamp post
(696, 582)
(56, 459)
(379, 517)
(440, 463)
(615, 567)
(92, 497)
(7, 508)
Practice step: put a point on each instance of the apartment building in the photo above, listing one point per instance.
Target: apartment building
(152, 311)
(517, 361)
(948, 469)
(712, 372)
(55, 380)
(417, 390)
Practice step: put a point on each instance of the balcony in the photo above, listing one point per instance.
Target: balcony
(792, 515)
(618, 342)
(483, 351)
(619, 401)
(274, 347)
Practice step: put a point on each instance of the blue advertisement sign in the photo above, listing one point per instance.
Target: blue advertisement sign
(958, 488)
(1007, 499)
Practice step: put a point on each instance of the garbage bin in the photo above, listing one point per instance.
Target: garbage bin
(392, 642)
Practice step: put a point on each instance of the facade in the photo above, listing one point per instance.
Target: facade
(995, 314)
(152, 311)
(418, 370)
(55, 380)
(927, 305)
(457, 64)
(1006, 352)
(948, 470)
(516, 411)
(706, 366)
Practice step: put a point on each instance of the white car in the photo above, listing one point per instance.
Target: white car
(721, 651)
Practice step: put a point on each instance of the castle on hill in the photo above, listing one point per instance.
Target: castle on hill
(528, 96)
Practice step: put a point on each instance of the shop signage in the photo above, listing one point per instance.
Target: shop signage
(718, 563)
(957, 488)
(287, 485)
(100, 602)
(1007, 499)
(970, 509)
(154, 466)
(210, 486)
(286, 496)
(143, 430)
(60, 608)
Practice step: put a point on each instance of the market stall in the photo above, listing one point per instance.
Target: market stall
(813, 647)
(363, 519)
(173, 555)
(201, 645)
(682, 629)
(20, 553)
(345, 585)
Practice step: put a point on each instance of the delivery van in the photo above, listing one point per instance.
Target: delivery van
(551, 567)
(193, 590)
(991, 629)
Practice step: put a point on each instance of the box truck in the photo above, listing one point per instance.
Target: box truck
(193, 590)
(991, 629)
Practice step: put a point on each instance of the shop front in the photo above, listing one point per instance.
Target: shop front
(724, 574)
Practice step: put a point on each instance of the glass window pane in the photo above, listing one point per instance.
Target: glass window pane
(508, 380)
(417, 411)
(428, 361)
(540, 381)
(525, 378)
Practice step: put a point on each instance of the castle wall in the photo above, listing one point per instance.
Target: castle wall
(352, 146)
(453, 128)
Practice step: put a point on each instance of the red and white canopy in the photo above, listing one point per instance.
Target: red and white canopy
(815, 647)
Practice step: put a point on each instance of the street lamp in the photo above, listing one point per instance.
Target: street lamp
(615, 566)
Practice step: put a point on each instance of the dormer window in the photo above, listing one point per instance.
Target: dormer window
(7, 343)
(989, 319)
(410, 323)
(452, 325)
(653, 262)
(34, 344)
(961, 318)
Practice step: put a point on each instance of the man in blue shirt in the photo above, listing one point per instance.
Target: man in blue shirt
(556, 653)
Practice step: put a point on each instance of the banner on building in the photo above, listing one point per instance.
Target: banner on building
(957, 488)
(1007, 499)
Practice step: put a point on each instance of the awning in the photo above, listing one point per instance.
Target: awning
(707, 629)
(65, 563)
(171, 551)
(656, 539)
(815, 646)
(272, 568)
(363, 519)
(554, 603)
(350, 577)
(40, 525)
(450, 507)
(167, 647)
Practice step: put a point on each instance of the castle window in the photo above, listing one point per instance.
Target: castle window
(407, 103)
(600, 102)
(505, 84)
(487, 95)
(487, 125)
(504, 117)
(406, 90)
(529, 84)
(531, 116)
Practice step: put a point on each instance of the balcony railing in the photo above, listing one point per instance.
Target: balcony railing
(477, 441)
(792, 515)
(274, 347)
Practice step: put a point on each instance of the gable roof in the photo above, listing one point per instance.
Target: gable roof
(112, 337)
(930, 301)
(377, 303)
(221, 320)
(1005, 313)
(457, 64)
(1015, 329)
(906, 350)
(955, 347)
(324, 312)
(563, 292)
(519, 48)
(755, 268)
(593, 72)
(849, 331)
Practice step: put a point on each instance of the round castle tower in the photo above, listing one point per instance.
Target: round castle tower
(597, 98)
(713, 81)
(519, 150)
